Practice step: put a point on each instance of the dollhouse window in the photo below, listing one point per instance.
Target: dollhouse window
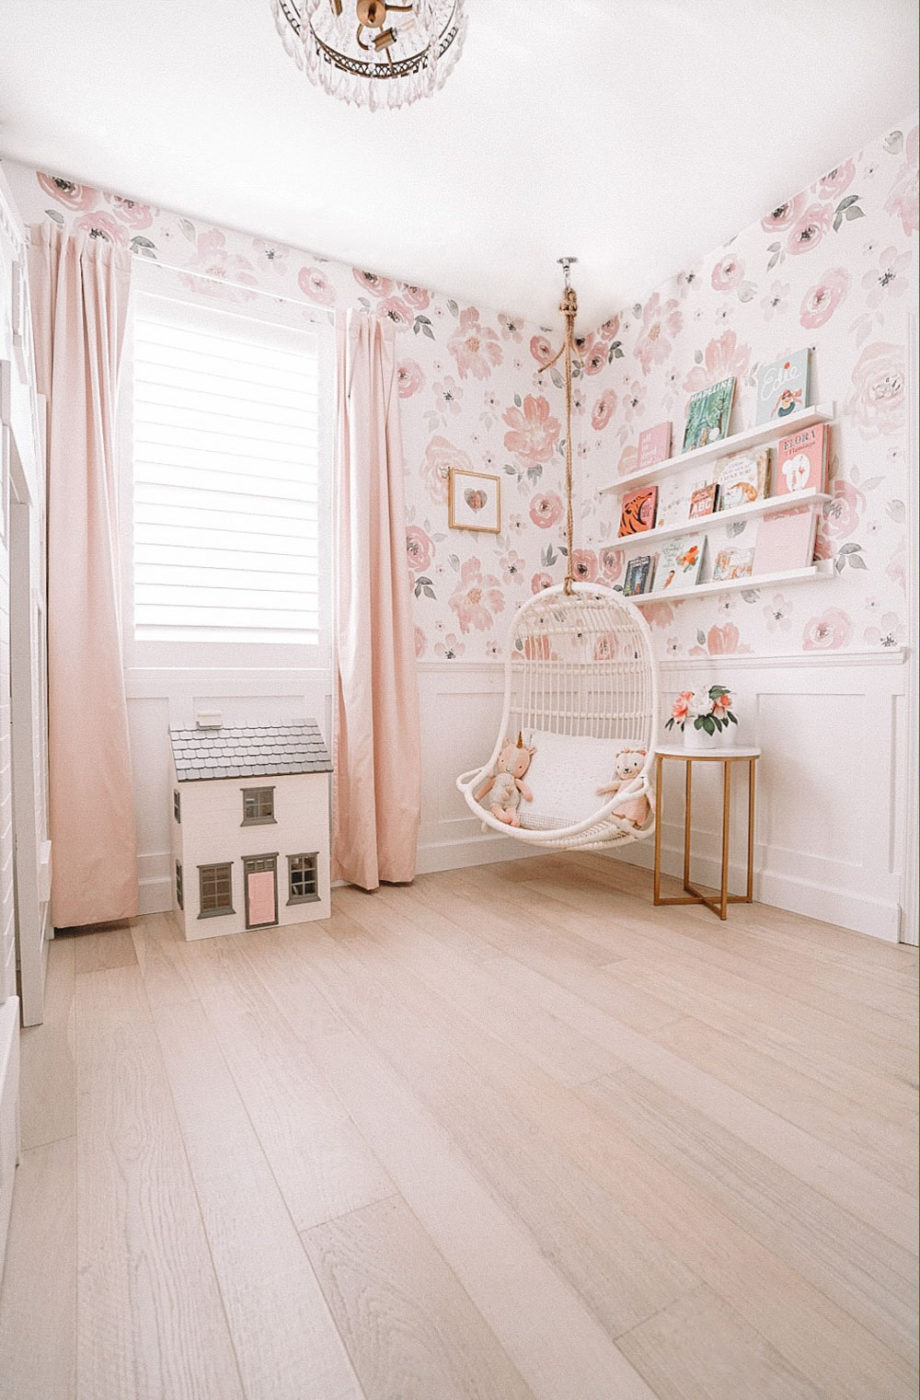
(180, 897)
(177, 804)
(302, 878)
(260, 877)
(258, 806)
(215, 890)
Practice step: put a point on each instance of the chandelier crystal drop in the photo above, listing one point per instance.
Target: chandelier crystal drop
(372, 53)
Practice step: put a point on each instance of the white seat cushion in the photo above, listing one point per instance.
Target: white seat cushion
(564, 775)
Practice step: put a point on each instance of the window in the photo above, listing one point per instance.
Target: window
(177, 805)
(302, 878)
(258, 806)
(215, 890)
(180, 899)
(261, 880)
(229, 472)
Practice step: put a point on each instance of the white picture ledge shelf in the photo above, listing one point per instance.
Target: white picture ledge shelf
(723, 517)
(823, 569)
(751, 437)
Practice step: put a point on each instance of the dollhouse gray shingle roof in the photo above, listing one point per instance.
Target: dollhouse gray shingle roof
(261, 751)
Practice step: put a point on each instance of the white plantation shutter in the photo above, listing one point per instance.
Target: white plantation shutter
(227, 455)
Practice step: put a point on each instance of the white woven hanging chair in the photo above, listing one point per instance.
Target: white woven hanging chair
(580, 687)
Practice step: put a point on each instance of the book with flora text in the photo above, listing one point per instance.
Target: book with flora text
(801, 460)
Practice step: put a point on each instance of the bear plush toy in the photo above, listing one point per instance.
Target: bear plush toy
(506, 787)
(627, 766)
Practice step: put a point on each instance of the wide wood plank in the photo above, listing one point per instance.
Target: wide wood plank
(150, 1320)
(410, 1328)
(38, 1303)
(287, 1345)
(48, 1075)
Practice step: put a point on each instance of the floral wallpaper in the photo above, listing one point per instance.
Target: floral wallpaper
(471, 390)
(834, 268)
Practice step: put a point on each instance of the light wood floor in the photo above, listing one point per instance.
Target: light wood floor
(510, 1132)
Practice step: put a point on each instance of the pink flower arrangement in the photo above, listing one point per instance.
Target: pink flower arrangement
(710, 711)
(821, 301)
(476, 348)
(533, 431)
(545, 509)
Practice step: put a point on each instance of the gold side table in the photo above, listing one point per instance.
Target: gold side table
(728, 757)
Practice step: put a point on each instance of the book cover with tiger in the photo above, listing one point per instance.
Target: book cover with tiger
(637, 513)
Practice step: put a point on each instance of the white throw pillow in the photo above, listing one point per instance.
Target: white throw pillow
(564, 775)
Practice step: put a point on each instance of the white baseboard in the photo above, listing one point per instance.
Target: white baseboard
(9, 1112)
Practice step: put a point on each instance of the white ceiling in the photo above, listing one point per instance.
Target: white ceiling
(634, 134)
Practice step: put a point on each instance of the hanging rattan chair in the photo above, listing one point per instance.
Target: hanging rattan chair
(580, 690)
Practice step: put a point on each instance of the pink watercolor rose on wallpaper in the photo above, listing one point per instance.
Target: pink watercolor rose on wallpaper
(610, 562)
(836, 181)
(419, 548)
(67, 192)
(131, 212)
(877, 399)
(409, 378)
(660, 323)
(476, 348)
(545, 509)
(821, 301)
(541, 581)
(784, 215)
(604, 410)
(723, 357)
(541, 349)
(371, 282)
(842, 513)
(903, 201)
(584, 565)
(100, 224)
(316, 286)
(727, 274)
(440, 457)
(828, 632)
(889, 279)
(416, 297)
(218, 266)
(809, 229)
(533, 431)
(477, 598)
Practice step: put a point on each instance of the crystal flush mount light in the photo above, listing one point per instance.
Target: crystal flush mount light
(372, 53)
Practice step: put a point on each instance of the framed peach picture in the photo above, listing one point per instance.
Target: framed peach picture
(474, 501)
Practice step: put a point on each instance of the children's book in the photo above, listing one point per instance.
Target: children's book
(743, 477)
(708, 413)
(785, 540)
(732, 563)
(703, 500)
(637, 511)
(801, 460)
(680, 562)
(654, 445)
(638, 576)
(783, 386)
(676, 493)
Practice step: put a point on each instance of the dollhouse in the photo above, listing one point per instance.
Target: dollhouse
(250, 827)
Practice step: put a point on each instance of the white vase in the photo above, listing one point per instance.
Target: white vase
(699, 738)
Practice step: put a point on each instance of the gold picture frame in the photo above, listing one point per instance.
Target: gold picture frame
(474, 501)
